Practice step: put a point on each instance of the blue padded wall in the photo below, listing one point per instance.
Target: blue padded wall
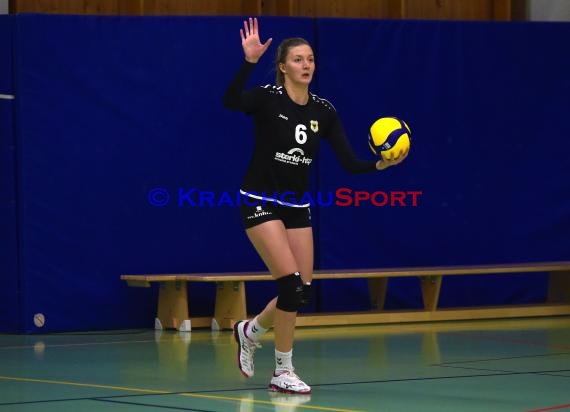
(113, 108)
(110, 108)
(10, 298)
(487, 104)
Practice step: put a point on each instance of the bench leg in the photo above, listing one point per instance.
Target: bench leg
(230, 304)
(559, 287)
(173, 307)
(377, 288)
(431, 285)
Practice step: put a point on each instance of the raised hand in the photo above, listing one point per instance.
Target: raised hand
(253, 49)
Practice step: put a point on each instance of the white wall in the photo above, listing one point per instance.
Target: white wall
(3, 6)
(549, 10)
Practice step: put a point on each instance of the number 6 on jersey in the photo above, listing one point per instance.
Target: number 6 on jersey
(301, 134)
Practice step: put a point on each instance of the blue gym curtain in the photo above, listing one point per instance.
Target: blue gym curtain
(118, 114)
(487, 104)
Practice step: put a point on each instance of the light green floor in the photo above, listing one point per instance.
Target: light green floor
(515, 365)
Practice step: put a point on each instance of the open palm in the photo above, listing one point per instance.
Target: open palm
(253, 49)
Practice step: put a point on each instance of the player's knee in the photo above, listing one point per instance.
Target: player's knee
(289, 292)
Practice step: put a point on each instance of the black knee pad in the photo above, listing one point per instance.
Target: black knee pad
(307, 295)
(289, 292)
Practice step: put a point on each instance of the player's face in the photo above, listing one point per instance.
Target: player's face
(300, 65)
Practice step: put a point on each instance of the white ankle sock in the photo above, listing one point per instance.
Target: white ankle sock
(283, 361)
(254, 330)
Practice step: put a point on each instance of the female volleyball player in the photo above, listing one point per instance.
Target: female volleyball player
(289, 122)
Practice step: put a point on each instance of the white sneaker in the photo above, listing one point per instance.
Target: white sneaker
(246, 349)
(289, 382)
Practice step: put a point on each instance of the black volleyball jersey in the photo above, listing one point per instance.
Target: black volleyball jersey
(286, 140)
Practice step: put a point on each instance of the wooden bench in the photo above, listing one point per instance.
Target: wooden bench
(230, 304)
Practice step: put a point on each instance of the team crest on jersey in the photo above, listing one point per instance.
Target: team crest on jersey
(314, 126)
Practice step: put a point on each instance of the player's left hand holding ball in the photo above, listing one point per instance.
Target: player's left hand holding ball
(392, 161)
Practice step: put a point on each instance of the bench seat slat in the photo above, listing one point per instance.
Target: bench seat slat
(361, 273)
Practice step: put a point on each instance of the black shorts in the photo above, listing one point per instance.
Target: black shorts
(292, 217)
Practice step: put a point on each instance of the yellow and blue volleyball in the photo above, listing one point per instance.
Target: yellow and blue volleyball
(388, 137)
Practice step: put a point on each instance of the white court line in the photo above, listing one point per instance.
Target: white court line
(7, 96)
(162, 392)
